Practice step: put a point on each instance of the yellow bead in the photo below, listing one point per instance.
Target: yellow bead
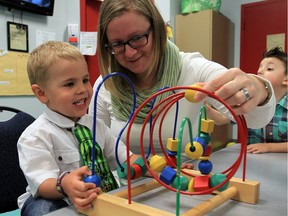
(207, 125)
(172, 144)
(157, 163)
(204, 158)
(196, 152)
(189, 94)
(191, 185)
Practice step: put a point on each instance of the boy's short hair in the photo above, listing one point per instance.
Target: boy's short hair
(277, 52)
(44, 56)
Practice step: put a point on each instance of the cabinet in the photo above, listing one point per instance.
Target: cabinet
(211, 34)
(208, 32)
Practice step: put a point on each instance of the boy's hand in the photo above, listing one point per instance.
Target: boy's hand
(81, 194)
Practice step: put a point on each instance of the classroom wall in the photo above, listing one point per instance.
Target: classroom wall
(67, 11)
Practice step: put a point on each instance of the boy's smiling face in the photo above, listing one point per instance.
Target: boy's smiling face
(68, 90)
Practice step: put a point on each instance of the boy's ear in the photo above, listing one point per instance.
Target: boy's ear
(39, 93)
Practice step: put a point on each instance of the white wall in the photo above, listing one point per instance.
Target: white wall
(67, 11)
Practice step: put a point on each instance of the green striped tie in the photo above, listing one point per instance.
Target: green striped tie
(102, 169)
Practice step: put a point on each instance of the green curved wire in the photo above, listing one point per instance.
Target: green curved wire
(186, 119)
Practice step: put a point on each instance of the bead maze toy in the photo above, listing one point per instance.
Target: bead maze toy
(166, 169)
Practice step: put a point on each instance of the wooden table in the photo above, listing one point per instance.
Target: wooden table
(269, 169)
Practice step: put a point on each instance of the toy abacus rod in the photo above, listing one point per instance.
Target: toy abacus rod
(95, 116)
(241, 131)
(169, 104)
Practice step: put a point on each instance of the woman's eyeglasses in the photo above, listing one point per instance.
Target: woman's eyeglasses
(134, 42)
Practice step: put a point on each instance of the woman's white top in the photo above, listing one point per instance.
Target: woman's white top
(195, 69)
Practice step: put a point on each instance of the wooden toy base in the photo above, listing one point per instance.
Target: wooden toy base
(112, 204)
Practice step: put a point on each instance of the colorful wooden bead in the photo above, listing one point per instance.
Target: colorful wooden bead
(191, 185)
(207, 125)
(205, 167)
(172, 144)
(171, 153)
(171, 161)
(201, 183)
(195, 151)
(190, 94)
(217, 179)
(137, 171)
(208, 150)
(157, 163)
(140, 162)
(122, 172)
(167, 175)
(183, 183)
(202, 141)
(93, 179)
(205, 136)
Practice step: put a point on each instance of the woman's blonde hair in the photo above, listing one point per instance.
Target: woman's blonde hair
(44, 56)
(111, 9)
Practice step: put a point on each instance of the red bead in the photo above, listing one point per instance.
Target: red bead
(171, 161)
(201, 183)
(141, 163)
(137, 171)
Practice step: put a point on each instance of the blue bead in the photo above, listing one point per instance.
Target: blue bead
(93, 179)
(205, 167)
(167, 175)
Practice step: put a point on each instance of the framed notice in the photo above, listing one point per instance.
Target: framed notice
(17, 37)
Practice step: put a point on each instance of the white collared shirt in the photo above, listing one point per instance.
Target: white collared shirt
(47, 148)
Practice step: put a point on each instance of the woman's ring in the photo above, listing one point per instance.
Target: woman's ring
(246, 93)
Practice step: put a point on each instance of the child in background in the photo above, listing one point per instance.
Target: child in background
(272, 137)
(48, 152)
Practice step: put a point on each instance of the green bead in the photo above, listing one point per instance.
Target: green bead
(183, 183)
(217, 179)
(123, 172)
(205, 136)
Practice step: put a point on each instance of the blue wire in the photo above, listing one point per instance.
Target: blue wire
(95, 113)
(151, 118)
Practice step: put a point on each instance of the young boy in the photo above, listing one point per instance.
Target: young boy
(273, 137)
(48, 150)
